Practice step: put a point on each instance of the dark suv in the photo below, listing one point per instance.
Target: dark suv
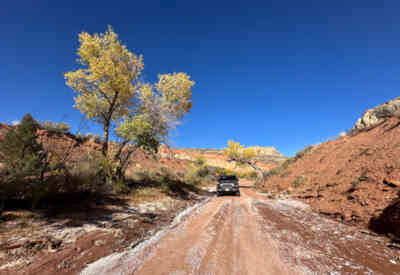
(228, 184)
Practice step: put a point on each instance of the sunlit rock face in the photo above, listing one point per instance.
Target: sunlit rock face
(376, 115)
(267, 157)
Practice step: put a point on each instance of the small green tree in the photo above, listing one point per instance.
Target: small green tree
(23, 158)
(20, 150)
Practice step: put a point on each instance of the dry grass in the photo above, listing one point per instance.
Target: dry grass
(148, 194)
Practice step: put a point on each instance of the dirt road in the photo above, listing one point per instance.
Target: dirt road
(252, 234)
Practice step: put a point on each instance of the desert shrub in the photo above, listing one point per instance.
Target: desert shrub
(88, 135)
(302, 152)
(200, 161)
(120, 187)
(81, 138)
(146, 176)
(282, 170)
(84, 177)
(200, 175)
(96, 138)
(247, 175)
(252, 175)
(203, 171)
(219, 170)
(106, 165)
(61, 127)
(299, 181)
(192, 177)
(167, 176)
(271, 173)
(286, 163)
(228, 172)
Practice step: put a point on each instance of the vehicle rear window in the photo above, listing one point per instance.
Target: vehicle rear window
(228, 178)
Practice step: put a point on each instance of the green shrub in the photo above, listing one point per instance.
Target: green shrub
(26, 163)
(229, 172)
(192, 177)
(84, 177)
(61, 127)
(81, 138)
(200, 161)
(247, 175)
(302, 152)
(21, 153)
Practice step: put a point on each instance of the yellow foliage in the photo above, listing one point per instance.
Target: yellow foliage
(107, 82)
(248, 153)
(237, 152)
(176, 91)
(109, 92)
(233, 151)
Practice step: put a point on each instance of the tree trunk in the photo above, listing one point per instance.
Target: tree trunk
(121, 148)
(106, 136)
(260, 174)
(123, 160)
(2, 204)
(108, 118)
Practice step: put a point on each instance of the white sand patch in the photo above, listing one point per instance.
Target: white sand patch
(129, 261)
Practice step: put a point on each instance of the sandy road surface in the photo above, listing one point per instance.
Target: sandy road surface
(253, 235)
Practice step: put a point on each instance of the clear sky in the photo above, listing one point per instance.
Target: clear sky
(271, 73)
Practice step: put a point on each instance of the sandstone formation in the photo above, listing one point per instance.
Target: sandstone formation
(267, 157)
(374, 116)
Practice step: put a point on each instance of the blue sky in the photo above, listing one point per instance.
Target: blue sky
(271, 73)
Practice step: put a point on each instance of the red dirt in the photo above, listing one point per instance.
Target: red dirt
(352, 178)
(73, 256)
(252, 234)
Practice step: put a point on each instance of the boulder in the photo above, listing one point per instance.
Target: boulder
(374, 116)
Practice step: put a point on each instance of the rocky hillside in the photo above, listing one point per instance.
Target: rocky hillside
(267, 157)
(174, 158)
(356, 177)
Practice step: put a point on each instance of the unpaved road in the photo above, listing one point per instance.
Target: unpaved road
(252, 234)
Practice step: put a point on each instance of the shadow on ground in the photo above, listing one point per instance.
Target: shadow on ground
(388, 222)
(96, 208)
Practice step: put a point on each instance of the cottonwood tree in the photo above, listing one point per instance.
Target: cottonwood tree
(243, 156)
(110, 92)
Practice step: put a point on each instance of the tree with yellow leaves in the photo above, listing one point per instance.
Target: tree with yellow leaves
(110, 92)
(241, 155)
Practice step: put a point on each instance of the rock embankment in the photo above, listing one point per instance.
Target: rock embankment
(354, 178)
